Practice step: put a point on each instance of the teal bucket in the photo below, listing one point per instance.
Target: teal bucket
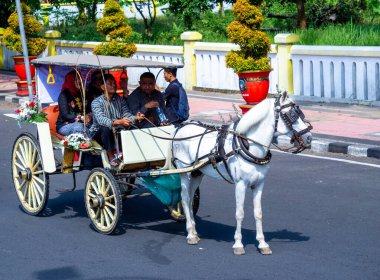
(167, 188)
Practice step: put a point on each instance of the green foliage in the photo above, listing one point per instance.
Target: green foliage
(115, 48)
(7, 7)
(189, 11)
(279, 8)
(254, 44)
(12, 39)
(114, 24)
(322, 13)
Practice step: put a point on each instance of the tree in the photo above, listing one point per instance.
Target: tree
(8, 7)
(301, 11)
(189, 10)
(152, 14)
(86, 8)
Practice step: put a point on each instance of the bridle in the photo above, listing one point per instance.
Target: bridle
(290, 117)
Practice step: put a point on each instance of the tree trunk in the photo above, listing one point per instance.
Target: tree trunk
(221, 8)
(301, 20)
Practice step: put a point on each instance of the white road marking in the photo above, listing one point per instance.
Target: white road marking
(333, 159)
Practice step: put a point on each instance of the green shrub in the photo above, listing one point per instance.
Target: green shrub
(114, 24)
(12, 39)
(254, 44)
(114, 48)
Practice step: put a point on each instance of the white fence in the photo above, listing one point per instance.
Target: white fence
(325, 73)
(336, 73)
(212, 72)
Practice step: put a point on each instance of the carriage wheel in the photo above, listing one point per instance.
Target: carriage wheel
(177, 212)
(103, 200)
(30, 180)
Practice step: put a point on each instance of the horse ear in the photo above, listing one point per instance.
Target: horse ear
(284, 95)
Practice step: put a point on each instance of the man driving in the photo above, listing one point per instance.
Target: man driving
(147, 100)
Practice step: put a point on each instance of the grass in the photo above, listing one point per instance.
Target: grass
(341, 35)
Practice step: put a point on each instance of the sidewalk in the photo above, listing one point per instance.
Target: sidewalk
(338, 128)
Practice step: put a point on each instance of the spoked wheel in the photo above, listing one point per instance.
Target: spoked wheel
(103, 200)
(30, 180)
(177, 212)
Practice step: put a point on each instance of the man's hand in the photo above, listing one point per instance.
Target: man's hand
(151, 104)
(140, 116)
(164, 124)
(123, 122)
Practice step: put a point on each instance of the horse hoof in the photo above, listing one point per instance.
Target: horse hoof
(266, 251)
(193, 241)
(239, 251)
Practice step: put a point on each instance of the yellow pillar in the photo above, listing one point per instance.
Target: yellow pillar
(51, 36)
(1, 48)
(285, 67)
(190, 38)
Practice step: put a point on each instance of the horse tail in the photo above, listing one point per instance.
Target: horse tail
(169, 156)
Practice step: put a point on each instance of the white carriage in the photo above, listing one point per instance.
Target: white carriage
(37, 157)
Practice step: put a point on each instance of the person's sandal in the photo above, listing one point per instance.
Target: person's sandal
(115, 162)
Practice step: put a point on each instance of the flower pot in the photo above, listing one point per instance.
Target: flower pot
(20, 67)
(22, 88)
(254, 86)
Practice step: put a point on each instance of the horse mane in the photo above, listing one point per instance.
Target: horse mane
(254, 115)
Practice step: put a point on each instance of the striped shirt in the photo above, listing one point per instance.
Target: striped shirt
(104, 112)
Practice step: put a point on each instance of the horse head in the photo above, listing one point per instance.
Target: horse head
(290, 121)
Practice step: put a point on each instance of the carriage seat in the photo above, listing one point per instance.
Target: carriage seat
(52, 112)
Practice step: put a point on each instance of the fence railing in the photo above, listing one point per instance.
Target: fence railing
(212, 72)
(336, 73)
(323, 73)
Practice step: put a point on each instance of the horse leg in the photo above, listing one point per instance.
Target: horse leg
(240, 190)
(187, 185)
(257, 192)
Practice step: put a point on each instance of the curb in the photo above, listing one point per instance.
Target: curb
(318, 145)
(12, 98)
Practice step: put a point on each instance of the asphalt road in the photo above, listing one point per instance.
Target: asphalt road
(321, 219)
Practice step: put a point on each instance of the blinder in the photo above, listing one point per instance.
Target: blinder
(294, 113)
(290, 118)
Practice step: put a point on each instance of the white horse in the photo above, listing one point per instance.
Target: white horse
(246, 169)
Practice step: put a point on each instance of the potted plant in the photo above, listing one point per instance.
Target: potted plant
(250, 62)
(12, 39)
(114, 26)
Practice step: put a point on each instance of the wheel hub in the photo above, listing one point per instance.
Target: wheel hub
(97, 201)
(25, 174)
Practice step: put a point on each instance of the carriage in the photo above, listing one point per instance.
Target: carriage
(37, 157)
(170, 162)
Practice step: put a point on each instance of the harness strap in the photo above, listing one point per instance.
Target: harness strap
(241, 149)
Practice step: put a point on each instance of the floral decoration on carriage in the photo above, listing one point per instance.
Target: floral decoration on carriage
(76, 141)
(29, 112)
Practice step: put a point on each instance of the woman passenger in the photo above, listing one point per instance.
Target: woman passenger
(71, 108)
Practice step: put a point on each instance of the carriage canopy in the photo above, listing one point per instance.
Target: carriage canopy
(60, 65)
